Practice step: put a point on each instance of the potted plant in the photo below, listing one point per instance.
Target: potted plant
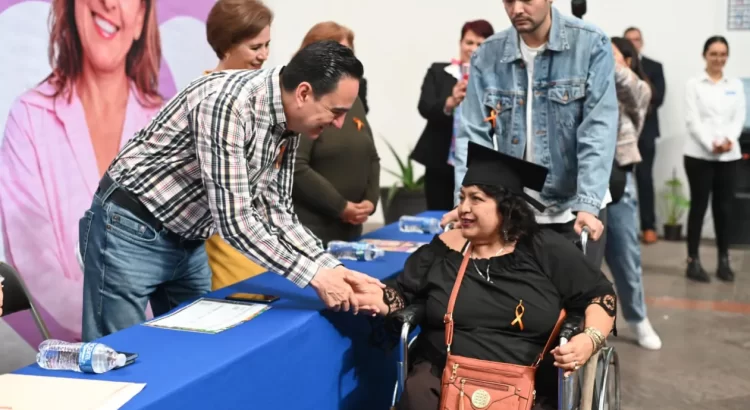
(406, 195)
(675, 204)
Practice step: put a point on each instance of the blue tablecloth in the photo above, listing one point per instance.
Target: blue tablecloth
(296, 355)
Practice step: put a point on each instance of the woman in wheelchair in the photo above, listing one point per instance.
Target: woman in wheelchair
(518, 279)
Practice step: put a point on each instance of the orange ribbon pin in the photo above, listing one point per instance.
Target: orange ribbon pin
(492, 118)
(519, 314)
(359, 123)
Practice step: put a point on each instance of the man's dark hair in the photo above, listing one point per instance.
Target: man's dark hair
(322, 64)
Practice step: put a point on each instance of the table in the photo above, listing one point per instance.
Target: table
(296, 355)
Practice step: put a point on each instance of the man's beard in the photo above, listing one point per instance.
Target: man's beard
(530, 27)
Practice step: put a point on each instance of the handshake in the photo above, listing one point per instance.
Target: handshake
(342, 289)
(357, 213)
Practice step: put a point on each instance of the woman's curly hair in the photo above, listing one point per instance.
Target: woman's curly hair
(518, 219)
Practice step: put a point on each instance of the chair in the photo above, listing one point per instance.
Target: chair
(596, 386)
(16, 297)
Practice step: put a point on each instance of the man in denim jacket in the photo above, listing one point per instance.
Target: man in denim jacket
(572, 127)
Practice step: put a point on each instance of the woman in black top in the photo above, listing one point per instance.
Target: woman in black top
(443, 90)
(513, 265)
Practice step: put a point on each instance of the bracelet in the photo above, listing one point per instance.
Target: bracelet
(597, 338)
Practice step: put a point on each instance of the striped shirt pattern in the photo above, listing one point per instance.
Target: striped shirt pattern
(217, 158)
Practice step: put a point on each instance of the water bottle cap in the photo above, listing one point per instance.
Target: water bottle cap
(121, 359)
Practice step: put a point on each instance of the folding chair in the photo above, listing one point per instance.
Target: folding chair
(16, 297)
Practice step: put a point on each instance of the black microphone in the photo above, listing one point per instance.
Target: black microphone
(578, 7)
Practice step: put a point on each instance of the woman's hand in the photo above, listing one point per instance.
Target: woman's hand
(459, 92)
(369, 298)
(574, 354)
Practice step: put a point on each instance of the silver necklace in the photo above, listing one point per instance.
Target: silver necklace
(487, 271)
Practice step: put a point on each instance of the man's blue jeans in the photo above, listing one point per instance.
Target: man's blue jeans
(127, 263)
(623, 253)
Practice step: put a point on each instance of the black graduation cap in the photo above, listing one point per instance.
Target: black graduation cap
(489, 167)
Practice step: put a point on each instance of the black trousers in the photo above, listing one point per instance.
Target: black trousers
(438, 188)
(644, 177)
(715, 180)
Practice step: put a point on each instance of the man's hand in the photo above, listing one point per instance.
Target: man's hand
(585, 219)
(450, 217)
(369, 298)
(334, 287)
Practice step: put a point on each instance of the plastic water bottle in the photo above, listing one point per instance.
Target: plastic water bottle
(417, 224)
(79, 357)
(355, 251)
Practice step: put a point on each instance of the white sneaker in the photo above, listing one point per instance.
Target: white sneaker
(647, 337)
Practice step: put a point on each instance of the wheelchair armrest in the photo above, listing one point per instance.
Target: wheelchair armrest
(572, 325)
(411, 315)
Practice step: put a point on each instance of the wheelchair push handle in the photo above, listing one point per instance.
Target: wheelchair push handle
(584, 238)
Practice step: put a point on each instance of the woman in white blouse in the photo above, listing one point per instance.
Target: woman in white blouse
(715, 117)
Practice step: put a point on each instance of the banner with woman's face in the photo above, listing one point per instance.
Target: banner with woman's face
(158, 47)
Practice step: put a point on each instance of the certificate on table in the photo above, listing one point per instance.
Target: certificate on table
(209, 316)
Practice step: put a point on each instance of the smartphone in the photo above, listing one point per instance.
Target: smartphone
(129, 358)
(252, 297)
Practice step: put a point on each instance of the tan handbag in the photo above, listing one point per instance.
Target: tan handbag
(480, 384)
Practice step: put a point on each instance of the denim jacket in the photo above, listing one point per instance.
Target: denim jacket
(575, 111)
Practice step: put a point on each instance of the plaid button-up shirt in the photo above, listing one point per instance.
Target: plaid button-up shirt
(217, 158)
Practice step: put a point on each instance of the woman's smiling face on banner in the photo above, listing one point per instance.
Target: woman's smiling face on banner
(107, 29)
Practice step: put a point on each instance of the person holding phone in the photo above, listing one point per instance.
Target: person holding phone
(443, 90)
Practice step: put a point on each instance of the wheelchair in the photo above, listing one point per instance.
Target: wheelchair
(595, 386)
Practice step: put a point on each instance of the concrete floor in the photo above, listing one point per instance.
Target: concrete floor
(705, 362)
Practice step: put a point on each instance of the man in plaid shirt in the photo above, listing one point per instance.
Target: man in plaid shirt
(218, 157)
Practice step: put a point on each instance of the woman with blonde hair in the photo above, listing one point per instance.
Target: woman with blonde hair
(60, 138)
(331, 203)
(239, 31)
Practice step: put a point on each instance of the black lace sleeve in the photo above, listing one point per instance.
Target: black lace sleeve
(393, 300)
(607, 302)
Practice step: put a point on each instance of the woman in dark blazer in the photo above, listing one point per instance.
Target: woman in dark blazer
(443, 90)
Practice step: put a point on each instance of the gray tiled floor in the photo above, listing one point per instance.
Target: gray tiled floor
(705, 362)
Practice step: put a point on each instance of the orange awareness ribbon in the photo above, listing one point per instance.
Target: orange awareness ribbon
(491, 119)
(359, 123)
(519, 314)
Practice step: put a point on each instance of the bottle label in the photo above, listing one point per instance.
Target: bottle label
(86, 357)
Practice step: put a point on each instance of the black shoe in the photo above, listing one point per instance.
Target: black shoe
(724, 272)
(696, 272)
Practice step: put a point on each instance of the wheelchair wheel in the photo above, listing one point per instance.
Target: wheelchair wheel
(613, 384)
(607, 387)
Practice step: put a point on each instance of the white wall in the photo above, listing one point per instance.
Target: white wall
(397, 41)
